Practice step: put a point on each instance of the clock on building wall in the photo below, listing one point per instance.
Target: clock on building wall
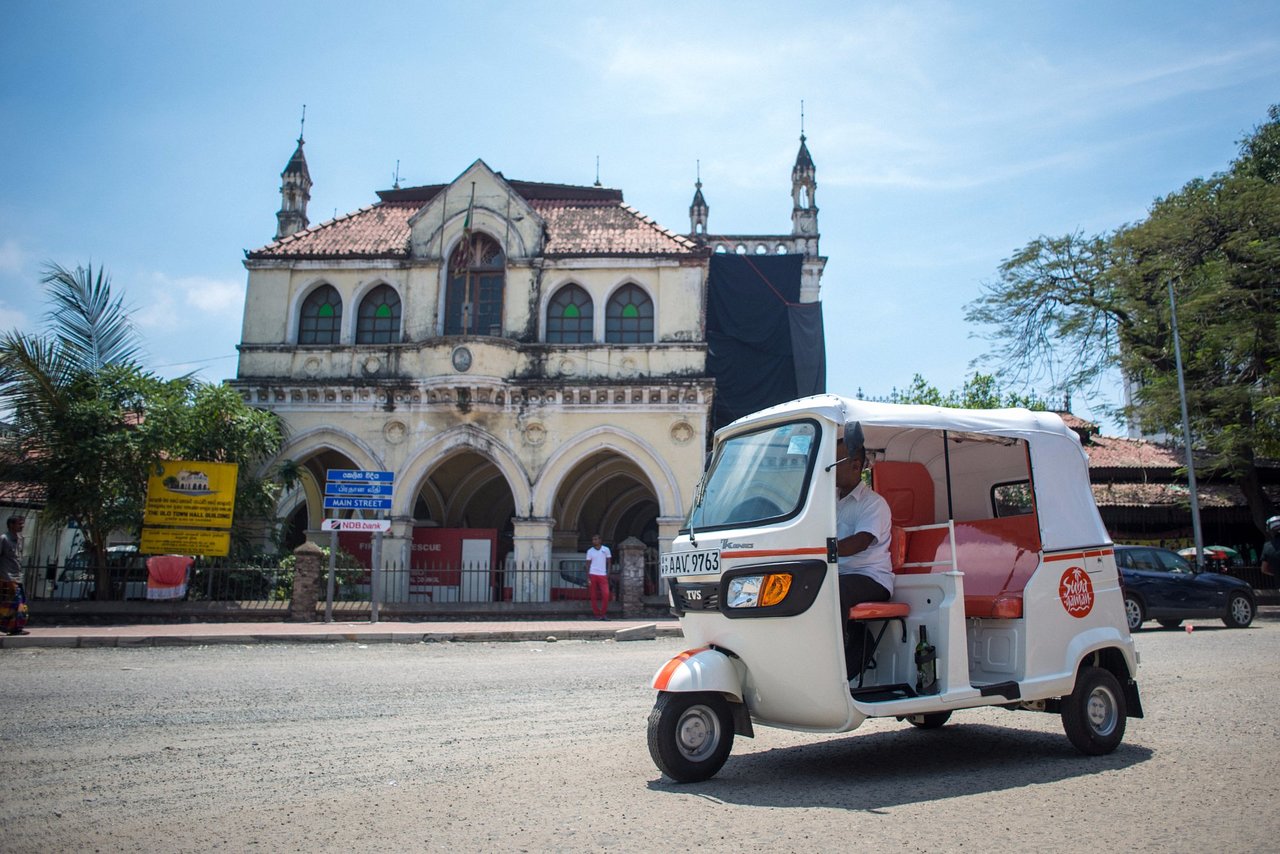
(461, 359)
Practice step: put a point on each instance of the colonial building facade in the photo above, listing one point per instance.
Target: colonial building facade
(529, 359)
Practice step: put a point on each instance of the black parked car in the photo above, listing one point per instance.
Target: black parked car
(1162, 585)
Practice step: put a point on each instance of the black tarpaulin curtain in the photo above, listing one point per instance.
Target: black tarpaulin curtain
(764, 346)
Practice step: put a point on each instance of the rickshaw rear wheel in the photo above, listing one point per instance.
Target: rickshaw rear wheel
(690, 735)
(929, 720)
(1093, 715)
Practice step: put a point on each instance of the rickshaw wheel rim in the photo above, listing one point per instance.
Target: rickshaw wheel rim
(1101, 711)
(697, 733)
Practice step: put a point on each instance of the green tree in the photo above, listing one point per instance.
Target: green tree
(76, 398)
(212, 423)
(90, 423)
(1072, 308)
(980, 391)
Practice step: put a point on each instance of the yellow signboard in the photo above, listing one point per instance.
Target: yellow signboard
(191, 494)
(185, 541)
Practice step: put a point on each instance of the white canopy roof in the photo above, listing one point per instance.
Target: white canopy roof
(1059, 468)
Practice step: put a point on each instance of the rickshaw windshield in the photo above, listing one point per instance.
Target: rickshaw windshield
(757, 477)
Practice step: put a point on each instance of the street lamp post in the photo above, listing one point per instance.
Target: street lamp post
(1186, 434)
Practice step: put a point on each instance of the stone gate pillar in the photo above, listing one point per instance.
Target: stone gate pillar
(306, 583)
(531, 569)
(631, 588)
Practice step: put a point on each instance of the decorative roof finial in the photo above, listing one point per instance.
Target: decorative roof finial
(302, 126)
(802, 119)
(395, 179)
(697, 169)
(598, 184)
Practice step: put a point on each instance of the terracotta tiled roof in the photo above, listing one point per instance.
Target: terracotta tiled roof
(376, 231)
(600, 224)
(1172, 495)
(17, 494)
(1108, 452)
(606, 228)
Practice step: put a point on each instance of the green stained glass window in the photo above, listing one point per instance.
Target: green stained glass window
(378, 320)
(320, 321)
(629, 317)
(570, 317)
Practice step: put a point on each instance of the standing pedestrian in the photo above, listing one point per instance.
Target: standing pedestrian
(599, 562)
(13, 599)
(1271, 550)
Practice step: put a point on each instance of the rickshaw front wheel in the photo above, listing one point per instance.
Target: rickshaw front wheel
(1093, 715)
(690, 735)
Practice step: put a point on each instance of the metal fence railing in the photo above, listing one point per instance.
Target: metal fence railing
(525, 583)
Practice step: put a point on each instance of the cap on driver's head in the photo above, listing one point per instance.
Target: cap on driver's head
(1273, 524)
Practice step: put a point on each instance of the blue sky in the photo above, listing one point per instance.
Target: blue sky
(149, 137)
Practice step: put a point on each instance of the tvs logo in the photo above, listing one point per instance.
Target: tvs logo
(1076, 592)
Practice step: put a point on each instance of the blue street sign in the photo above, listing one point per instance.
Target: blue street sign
(357, 504)
(347, 475)
(367, 490)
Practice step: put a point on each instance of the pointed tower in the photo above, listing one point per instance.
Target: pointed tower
(295, 191)
(804, 210)
(698, 211)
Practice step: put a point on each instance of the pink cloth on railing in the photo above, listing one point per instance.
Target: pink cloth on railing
(167, 576)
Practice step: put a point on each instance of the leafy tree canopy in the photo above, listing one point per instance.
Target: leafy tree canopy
(1069, 309)
(981, 391)
(89, 423)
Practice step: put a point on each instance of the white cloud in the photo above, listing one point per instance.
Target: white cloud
(13, 318)
(171, 301)
(12, 257)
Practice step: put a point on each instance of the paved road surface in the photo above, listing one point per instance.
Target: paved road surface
(540, 746)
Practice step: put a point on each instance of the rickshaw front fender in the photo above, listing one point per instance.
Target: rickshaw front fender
(702, 669)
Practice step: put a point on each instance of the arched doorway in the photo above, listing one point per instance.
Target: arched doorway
(609, 494)
(462, 531)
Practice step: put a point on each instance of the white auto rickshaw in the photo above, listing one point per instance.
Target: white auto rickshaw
(1005, 584)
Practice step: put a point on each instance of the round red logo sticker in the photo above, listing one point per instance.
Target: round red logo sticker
(1076, 592)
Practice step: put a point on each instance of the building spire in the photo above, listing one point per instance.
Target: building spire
(804, 185)
(295, 189)
(698, 210)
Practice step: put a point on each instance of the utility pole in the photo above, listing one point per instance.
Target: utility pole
(1186, 434)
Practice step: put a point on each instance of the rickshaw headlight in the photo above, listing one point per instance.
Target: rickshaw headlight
(758, 591)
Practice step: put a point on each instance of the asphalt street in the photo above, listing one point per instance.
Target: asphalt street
(540, 746)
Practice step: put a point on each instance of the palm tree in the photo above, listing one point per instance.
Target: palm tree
(74, 397)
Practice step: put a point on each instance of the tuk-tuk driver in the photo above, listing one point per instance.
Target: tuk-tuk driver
(863, 525)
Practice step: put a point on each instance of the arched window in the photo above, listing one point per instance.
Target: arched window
(570, 317)
(378, 320)
(629, 318)
(473, 301)
(321, 317)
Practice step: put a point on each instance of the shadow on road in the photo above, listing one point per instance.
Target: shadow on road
(871, 772)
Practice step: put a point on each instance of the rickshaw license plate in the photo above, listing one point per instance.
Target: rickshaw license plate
(701, 562)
